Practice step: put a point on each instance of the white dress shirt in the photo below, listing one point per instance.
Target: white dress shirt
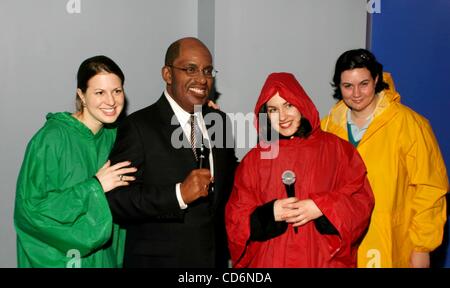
(357, 132)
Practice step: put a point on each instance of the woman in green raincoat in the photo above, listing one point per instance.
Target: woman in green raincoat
(61, 214)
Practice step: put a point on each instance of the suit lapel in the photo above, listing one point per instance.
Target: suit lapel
(170, 123)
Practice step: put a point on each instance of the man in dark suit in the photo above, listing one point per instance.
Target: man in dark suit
(174, 210)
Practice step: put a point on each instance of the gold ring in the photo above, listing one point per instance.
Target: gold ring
(120, 177)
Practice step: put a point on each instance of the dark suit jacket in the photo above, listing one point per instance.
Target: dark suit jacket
(159, 233)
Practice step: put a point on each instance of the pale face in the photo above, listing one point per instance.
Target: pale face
(103, 101)
(284, 117)
(358, 90)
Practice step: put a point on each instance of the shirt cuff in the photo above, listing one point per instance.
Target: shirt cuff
(179, 198)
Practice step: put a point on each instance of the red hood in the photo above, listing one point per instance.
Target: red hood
(289, 89)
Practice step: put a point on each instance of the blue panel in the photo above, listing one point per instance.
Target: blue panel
(411, 38)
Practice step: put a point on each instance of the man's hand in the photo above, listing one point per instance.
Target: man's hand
(195, 185)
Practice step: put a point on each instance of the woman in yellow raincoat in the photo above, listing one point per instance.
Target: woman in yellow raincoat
(404, 164)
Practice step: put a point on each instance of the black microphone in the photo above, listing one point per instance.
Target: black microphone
(201, 158)
(203, 162)
(288, 178)
(203, 155)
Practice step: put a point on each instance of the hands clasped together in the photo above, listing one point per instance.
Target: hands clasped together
(295, 211)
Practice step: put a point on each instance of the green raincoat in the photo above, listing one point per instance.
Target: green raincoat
(62, 217)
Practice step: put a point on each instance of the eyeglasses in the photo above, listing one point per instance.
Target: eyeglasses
(193, 71)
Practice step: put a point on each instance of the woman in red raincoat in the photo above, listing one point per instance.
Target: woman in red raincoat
(323, 223)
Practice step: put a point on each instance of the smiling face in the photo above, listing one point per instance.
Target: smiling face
(102, 102)
(187, 90)
(284, 117)
(358, 90)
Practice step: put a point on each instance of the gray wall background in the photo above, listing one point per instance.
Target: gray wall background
(42, 46)
(257, 37)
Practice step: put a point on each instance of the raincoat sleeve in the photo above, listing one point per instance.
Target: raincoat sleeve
(240, 206)
(76, 217)
(348, 207)
(263, 225)
(118, 243)
(428, 180)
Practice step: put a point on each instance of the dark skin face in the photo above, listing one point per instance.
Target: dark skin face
(187, 90)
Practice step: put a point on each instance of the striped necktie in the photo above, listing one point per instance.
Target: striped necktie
(193, 136)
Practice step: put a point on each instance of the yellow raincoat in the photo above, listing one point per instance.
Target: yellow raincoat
(408, 179)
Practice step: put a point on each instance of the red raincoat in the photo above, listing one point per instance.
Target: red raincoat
(328, 170)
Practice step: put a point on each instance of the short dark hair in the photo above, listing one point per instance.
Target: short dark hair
(91, 67)
(303, 131)
(357, 58)
(172, 53)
